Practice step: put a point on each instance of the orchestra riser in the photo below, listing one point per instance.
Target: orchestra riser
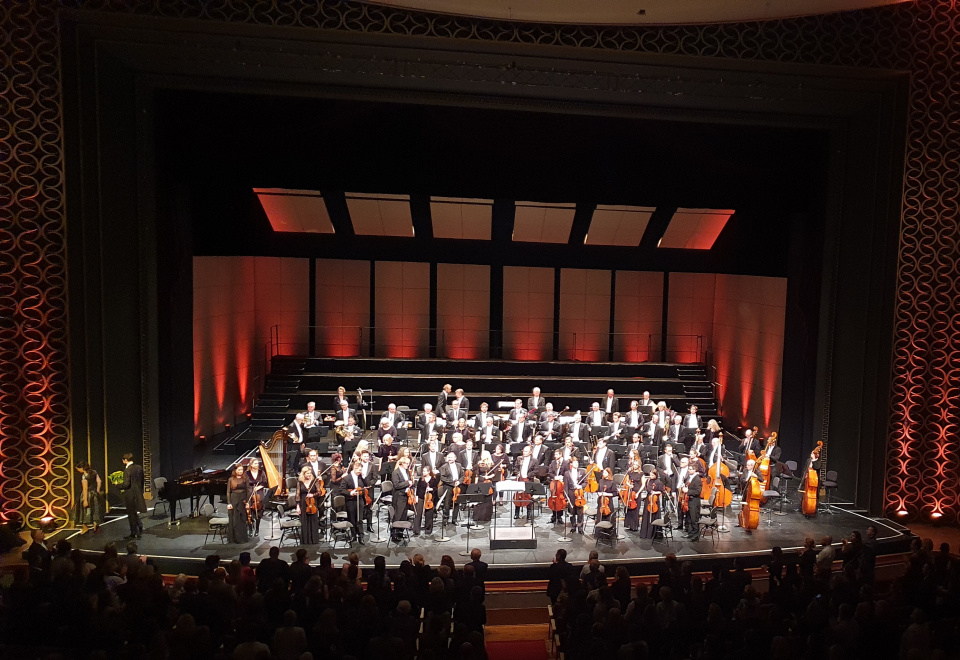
(182, 548)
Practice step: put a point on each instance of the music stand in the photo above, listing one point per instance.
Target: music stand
(438, 507)
(510, 486)
(471, 499)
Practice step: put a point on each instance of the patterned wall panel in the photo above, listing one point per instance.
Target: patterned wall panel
(920, 37)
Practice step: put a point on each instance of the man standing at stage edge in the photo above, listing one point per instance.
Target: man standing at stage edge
(132, 493)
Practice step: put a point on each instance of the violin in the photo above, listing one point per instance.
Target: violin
(684, 501)
(809, 503)
(311, 504)
(557, 501)
(604, 507)
(653, 504)
(456, 492)
(320, 489)
(428, 501)
(468, 476)
(411, 497)
(627, 495)
(579, 500)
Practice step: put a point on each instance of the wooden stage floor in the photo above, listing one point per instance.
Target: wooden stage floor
(182, 549)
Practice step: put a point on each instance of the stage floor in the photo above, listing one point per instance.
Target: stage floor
(182, 548)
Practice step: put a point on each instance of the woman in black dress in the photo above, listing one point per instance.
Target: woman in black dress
(606, 490)
(259, 487)
(238, 492)
(90, 503)
(485, 478)
(637, 478)
(653, 488)
(426, 484)
(499, 461)
(308, 506)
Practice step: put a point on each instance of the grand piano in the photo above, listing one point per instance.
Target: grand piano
(196, 484)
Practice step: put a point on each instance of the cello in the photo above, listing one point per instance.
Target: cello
(749, 516)
(809, 503)
(557, 500)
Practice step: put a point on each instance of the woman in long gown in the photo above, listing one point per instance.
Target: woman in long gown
(89, 506)
(426, 484)
(308, 498)
(653, 487)
(606, 490)
(637, 478)
(259, 487)
(499, 461)
(485, 477)
(238, 492)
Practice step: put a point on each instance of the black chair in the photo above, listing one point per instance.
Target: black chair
(829, 484)
(159, 487)
(288, 525)
(216, 524)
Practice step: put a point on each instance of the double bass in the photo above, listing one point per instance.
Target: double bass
(720, 494)
(557, 501)
(749, 516)
(808, 505)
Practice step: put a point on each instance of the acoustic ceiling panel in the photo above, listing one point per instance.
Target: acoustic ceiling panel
(457, 217)
(537, 222)
(380, 215)
(618, 225)
(295, 210)
(694, 229)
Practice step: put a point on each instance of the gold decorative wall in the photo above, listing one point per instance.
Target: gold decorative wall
(921, 37)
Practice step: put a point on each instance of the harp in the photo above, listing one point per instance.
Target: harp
(272, 453)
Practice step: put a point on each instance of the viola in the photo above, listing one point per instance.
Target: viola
(579, 500)
(557, 500)
(809, 503)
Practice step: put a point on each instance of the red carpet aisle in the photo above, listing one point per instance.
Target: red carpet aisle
(517, 650)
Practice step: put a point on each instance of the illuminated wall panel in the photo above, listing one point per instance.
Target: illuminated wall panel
(637, 317)
(224, 341)
(282, 290)
(690, 316)
(748, 326)
(463, 311)
(527, 313)
(402, 309)
(343, 307)
(584, 314)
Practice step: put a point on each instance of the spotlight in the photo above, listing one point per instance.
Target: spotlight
(935, 515)
(48, 524)
(902, 512)
(227, 427)
(203, 438)
(249, 416)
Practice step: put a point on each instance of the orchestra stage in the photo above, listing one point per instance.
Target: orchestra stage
(182, 548)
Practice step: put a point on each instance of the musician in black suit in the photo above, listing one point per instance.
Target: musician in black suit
(455, 413)
(519, 432)
(131, 490)
(551, 429)
(423, 417)
(296, 432)
(316, 465)
(442, 400)
(392, 415)
(610, 405)
(488, 432)
(557, 465)
(481, 419)
(578, 430)
(661, 416)
(646, 404)
(596, 417)
(451, 474)
(339, 400)
(692, 487)
(691, 422)
(526, 471)
(536, 403)
(634, 417)
(468, 457)
(569, 450)
(432, 426)
(650, 432)
(673, 435)
(543, 416)
(538, 452)
(350, 488)
(432, 456)
(616, 428)
(668, 466)
(604, 457)
(402, 481)
(573, 481)
(344, 414)
(462, 402)
(516, 411)
(747, 444)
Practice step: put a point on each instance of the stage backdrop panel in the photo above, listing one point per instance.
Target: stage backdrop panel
(343, 307)
(637, 316)
(463, 311)
(402, 309)
(584, 314)
(283, 300)
(527, 313)
(748, 327)
(689, 316)
(224, 332)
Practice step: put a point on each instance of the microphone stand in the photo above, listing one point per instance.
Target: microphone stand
(443, 517)
(565, 538)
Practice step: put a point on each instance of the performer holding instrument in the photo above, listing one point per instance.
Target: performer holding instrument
(652, 503)
(404, 497)
(810, 483)
(606, 491)
(425, 505)
(258, 486)
(634, 483)
(355, 490)
(238, 492)
(573, 484)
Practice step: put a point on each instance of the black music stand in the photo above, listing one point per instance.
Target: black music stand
(472, 497)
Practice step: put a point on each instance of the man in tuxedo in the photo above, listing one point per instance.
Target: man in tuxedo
(369, 473)
(693, 487)
(604, 458)
(445, 395)
(488, 433)
(311, 417)
(432, 426)
(538, 452)
(344, 414)
(296, 433)
(468, 456)
(395, 418)
(596, 417)
(424, 417)
(550, 429)
(526, 470)
(352, 428)
(748, 444)
(636, 443)
(547, 411)
(313, 460)
(646, 404)
(650, 434)
(667, 467)
(673, 431)
(463, 403)
(432, 456)
(615, 429)
(579, 430)
(353, 497)
(569, 449)
(454, 413)
(450, 476)
(661, 417)
(536, 403)
(520, 432)
(634, 417)
(517, 410)
(610, 405)
(481, 419)
(131, 490)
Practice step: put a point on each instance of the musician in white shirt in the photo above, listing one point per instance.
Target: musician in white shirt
(311, 417)
(634, 417)
(610, 404)
(661, 416)
(525, 472)
(596, 417)
(488, 433)
(517, 410)
(481, 419)
(647, 402)
(391, 415)
(535, 402)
